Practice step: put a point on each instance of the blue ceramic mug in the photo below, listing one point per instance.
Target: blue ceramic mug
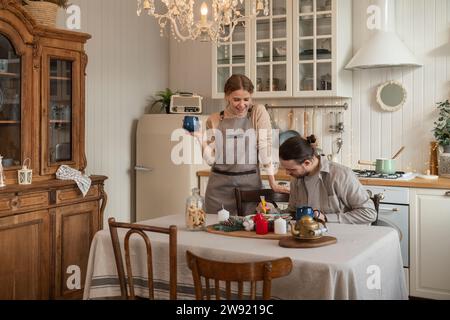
(301, 211)
(191, 123)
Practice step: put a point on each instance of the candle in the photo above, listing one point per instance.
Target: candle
(262, 226)
(223, 215)
(204, 13)
(280, 226)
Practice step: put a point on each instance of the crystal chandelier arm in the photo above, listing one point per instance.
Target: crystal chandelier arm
(180, 14)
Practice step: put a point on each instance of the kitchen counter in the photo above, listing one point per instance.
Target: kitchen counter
(441, 183)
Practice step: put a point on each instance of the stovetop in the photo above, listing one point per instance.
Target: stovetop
(373, 174)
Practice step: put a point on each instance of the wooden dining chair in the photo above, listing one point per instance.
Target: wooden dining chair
(239, 273)
(255, 196)
(127, 278)
(376, 199)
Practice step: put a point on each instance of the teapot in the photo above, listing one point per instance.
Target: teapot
(308, 228)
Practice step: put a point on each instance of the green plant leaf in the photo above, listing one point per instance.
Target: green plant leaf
(442, 125)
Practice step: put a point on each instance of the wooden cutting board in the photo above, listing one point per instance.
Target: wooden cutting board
(291, 242)
(248, 234)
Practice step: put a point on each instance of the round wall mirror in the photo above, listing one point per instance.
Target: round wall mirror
(391, 96)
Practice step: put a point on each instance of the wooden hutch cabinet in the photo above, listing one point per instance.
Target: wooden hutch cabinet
(46, 228)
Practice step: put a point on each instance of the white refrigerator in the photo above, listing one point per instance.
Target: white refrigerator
(167, 160)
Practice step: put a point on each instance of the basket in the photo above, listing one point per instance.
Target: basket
(43, 12)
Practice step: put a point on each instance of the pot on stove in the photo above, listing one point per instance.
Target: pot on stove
(382, 166)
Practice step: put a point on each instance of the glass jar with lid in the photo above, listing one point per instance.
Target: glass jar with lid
(195, 212)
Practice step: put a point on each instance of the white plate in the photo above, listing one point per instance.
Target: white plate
(271, 216)
(427, 177)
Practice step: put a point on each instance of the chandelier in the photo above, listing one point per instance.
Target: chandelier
(226, 14)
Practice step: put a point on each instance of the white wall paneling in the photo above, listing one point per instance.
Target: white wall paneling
(424, 26)
(128, 62)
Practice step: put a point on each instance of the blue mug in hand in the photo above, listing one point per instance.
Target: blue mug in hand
(191, 123)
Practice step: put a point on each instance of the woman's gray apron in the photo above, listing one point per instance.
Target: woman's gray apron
(228, 175)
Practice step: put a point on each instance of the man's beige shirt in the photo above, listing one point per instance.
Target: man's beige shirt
(336, 191)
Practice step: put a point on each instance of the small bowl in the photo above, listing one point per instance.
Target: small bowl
(7, 162)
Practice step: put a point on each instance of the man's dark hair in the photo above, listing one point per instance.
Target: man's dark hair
(298, 149)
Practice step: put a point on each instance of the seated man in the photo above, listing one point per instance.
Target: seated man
(327, 186)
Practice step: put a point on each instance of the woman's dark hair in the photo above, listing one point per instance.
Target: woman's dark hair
(238, 82)
(298, 149)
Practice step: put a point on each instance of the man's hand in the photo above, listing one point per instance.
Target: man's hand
(319, 215)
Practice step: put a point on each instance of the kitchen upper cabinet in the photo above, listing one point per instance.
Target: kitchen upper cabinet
(430, 243)
(231, 57)
(322, 47)
(299, 50)
(271, 51)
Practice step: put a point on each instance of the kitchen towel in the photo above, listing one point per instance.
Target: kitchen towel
(67, 173)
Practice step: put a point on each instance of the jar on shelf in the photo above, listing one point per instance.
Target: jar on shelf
(306, 6)
(195, 213)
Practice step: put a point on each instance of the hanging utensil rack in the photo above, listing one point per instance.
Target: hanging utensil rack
(340, 106)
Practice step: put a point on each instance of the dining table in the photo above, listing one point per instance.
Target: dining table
(364, 264)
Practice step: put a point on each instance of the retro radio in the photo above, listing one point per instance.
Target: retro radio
(186, 103)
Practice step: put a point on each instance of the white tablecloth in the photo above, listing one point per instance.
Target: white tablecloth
(365, 263)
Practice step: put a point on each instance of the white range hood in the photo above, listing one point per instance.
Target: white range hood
(384, 48)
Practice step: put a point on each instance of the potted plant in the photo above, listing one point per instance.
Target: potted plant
(164, 99)
(44, 11)
(442, 125)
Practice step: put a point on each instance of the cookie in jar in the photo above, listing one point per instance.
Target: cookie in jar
(195, 213)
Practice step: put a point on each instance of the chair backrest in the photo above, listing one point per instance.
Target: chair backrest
(376, 198)
(254, 196)
(251, 272)
(140, 230)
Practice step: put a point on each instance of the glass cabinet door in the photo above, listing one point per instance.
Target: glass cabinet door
(61, 105)
(10, 105)
(231, 57)
(272, 50)
(314, 32)
(60, 111)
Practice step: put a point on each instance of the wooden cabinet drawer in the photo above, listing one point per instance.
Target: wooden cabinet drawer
(71, 195)
(31, 201)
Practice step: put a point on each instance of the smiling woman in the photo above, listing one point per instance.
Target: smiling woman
(235, 138)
